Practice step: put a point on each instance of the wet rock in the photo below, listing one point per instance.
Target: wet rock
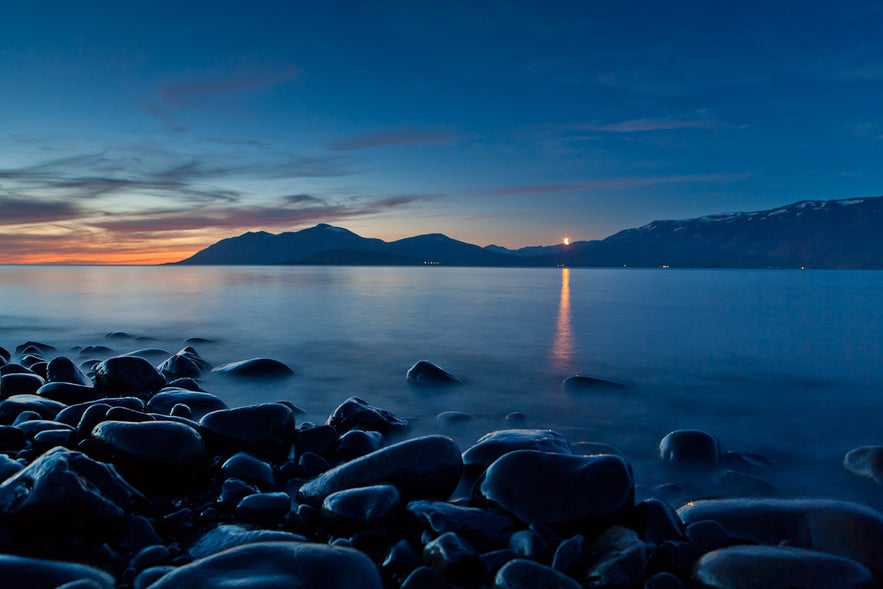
(228, 536)
(708, 535)
(73, 414)
(311, 464)
(484, 528)
(426, 578)
(32, 427)
(14, 368)
(320, 440)
(656, 521)
(264, 509)
(11, 407)
(38, 573)
(20, 384)
(234, 490)
(200, 403)
(616, 560)
(421, 468)
(248, 468)
(255, 368)
(180, 366)
(150, 556)
(64, 494)
(836, 527)
(427, 373)
(582, 384)
(266, 429)
(31, 347)
(562, 491)
(691, 448)
(493, 445)
(454, 417)
(62, 369)
(153, 455)
(866, 462)
(127, 374)
(526, 574)
(276, 564)
(68, 393)
(772, 567)
(355, 443)
(362, 508)
(529, 544)
(357, 413)
(569, 554)
(453, 557)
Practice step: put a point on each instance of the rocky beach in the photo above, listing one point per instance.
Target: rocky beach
(121, 471)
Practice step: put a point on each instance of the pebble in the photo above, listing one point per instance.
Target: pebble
(248, 468)
(264, 509)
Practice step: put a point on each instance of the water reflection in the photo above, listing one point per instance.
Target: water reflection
(562, 349)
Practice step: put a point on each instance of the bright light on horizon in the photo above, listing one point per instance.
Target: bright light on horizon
(566, 241)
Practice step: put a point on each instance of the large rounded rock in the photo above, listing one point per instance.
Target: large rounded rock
(20, 384)
(486, 529)
(835, 527)
(773, 567)
(11, 408)
(421, 468)
(229, 536)
(153, 455)
(63, 369)
(200, 403)
(255, 368)
(38, 573)
(266, 429)
(866, 462)
(493, 445)
(69, 393)
(427, 373)
(357, 413)
(127, 374)
(356, 509)
(563, 491)
(520, 573)
(276, 565)
(689, 447)
(72, 415)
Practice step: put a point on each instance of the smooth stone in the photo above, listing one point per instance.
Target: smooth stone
(581, 384)
(255, 368)
(66, 494)
(421, 468)
(312, 464)
(20, 384)
(32, 427)
(400, 561)
(568, 554)
(562, 491)
(26, 416)
(150, 556)
(37, 573)
(122, 335)
(149, 576)
(426, 578)
(690, 447)
(453, 557)
(228, 536)
(866, 462)
(8, 467)
(491, 446)
(321, 439)
(200, 403)
(520, 573)
(62, 369)
(11, 407)
(355, 443)
(362, 508)
(773, 567)
(234, 490)
(155, 455)
(14, 368)
(248, 468)
(484, 528)
(618, 559)
(454, 417)
(180, 366)
(55, 437)
(124, 414)
(69, 393)
(73, 414)
(276, 565)
(263, 508)
(663, 581)
(127, 374)
(266, 429)
(528, 544)
(840, 528)
(427, 373)
(656, 521)
(34, 347)
(357, 413)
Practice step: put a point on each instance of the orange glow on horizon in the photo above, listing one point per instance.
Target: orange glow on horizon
(566, 241)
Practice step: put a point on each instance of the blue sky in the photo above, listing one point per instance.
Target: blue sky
(140, 132)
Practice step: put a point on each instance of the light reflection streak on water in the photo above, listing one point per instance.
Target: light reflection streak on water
(562, 349)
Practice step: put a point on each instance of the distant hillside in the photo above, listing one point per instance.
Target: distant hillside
(813, 234)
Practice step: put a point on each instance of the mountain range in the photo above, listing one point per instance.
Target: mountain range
(812, 233)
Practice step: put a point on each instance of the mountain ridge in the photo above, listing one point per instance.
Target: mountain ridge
(844, 233)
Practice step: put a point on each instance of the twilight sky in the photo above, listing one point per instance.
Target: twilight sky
(142, 132)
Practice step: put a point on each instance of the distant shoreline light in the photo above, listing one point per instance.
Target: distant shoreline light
(566, 241)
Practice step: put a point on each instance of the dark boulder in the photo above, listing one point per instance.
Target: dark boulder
(20, 384)
(68, 393)
(427, 373)
(356, 413)
(421, 468)
(62, 369)
(127, 374)
(520, 573)
(276, 565)
(356, 509)
(246, 467)
(200, 403)
(454, 557)
(39, 573)
(690, 448)
(255, 368)
(263, 509)
(494, 444)
(11, 407)
(582, 384)
(266, 429)
(73, 414)
(486, 529)
(562, 491)
(229, 536)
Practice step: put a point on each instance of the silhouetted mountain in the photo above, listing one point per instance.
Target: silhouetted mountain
(814, 234)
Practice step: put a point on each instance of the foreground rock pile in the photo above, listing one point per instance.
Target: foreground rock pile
(124, 473)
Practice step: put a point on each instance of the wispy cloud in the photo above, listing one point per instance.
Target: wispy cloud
(18, 211)
(622, 183)
(646, 125)
(395, 138)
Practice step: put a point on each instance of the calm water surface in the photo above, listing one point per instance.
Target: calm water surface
(785, 363)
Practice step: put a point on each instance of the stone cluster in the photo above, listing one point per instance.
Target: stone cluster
(124, 473)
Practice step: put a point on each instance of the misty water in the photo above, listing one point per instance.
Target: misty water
(782, 363)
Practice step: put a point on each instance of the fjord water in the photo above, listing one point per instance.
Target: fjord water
(782, 363)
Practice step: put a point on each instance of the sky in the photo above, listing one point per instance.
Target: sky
(141, 132)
